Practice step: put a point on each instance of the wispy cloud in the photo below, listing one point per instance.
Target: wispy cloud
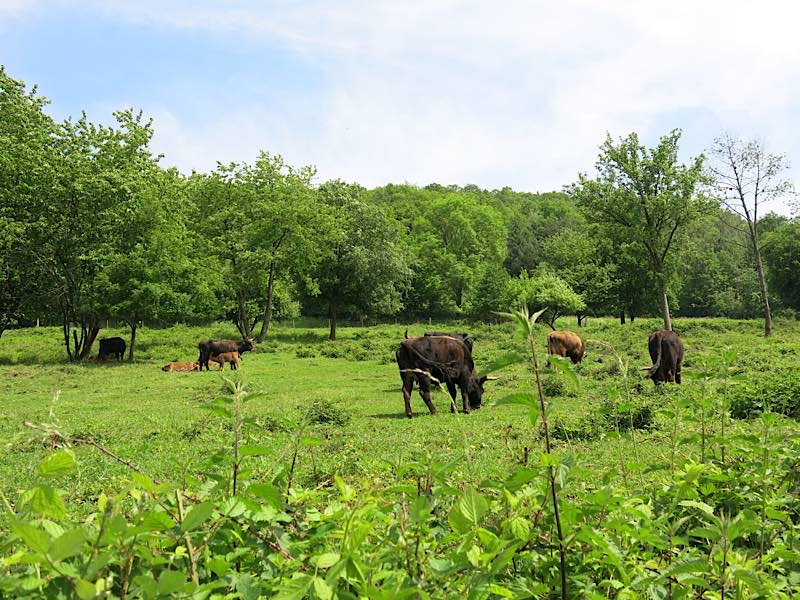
(515, 93)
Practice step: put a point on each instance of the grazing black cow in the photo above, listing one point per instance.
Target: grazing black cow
(666, 352)
(113, 345)
(464, 337)
(445, 358)
(211, 348)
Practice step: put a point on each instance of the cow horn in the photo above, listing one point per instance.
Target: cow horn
(406, 334)
(491, 378)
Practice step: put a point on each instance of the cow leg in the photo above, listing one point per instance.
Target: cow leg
(451, 388)
(425, 392)
(408, 387)
(465, 399)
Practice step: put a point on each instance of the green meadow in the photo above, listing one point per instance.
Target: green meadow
(346, 395)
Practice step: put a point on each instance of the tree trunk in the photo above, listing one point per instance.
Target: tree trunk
(665, 308)
(580, 320)
(268, 304)
(244, 323)
(762, 282)
(332, 312)
(632, 316)
(132, 347)
(89, 334)
(622, 317)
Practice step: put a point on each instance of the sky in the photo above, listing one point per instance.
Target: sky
(517, 93)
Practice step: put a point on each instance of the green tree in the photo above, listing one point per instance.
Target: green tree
(545, 290)
(649, 195)
(364, 270)
(25, 159)
(744, 176)
(156, 275)
(782, 252)
(262, 223)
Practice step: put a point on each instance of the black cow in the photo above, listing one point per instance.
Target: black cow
(666, 352)
(113, 345)
(445, 358)
(464, 337)
(211, 348)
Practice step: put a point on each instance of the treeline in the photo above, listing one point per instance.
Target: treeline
(92, 227)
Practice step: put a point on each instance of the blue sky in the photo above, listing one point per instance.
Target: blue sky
(517, 93)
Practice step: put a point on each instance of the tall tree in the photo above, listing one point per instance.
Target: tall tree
(648, 194)
(25, 140)
(745, 177)
(364, 270)
(782, 253)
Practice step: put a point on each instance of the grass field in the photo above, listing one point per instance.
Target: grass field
(157, 420)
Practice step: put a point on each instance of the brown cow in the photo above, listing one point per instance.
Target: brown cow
(445, 358)
(181, 367)
(230, 357)
(566, 344)
(666, 352)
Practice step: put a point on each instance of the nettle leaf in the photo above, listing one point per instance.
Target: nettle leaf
(467, 511)
(157, 520)
(294, 589)
(512, 358)
(565, 366)
(68, 544)
(170, 582)
(36, 539)
(198, 515)
(57, 464)
(521, 398)
(267, 492)
(324, 561)
(254, 450)
(699, 505)
(44, 500)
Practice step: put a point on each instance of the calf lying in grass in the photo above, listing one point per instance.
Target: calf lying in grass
(230, 357)
(181, 367)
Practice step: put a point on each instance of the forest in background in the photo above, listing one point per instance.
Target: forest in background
(93, 228)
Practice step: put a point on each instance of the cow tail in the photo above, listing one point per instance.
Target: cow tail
(656, 365)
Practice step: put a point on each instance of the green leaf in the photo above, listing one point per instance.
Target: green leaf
(68, 544)
(535, 316)
(36, 539)
(57, 464)
(198, 515)
(44, 500)
(522, 398)
(254, 450)
(294, 589)
(467, 511)
(565, 366)
(699, 505)
(308, 440)
(157, 520)
(322, 589)
(170, 582)
(267, 492)
(324, 561)
(511, 358)
(85, 589)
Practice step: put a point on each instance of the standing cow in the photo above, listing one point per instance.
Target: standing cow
(112, 345)
(211, 348)
(445, 358)
(566, 344)
(666, 352)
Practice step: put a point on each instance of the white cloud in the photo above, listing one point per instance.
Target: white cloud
(511, 93)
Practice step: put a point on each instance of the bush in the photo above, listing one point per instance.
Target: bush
(624, 416)
(325, 412)
(777, 393)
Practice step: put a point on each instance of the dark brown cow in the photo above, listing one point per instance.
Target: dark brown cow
(211, 348)
(666, 352)
(464, 337)
(566, 344)
(112, 345)
(445, 358)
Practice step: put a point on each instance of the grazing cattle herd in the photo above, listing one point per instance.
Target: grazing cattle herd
(433, 358)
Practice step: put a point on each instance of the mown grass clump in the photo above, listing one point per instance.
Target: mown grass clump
(324, 412)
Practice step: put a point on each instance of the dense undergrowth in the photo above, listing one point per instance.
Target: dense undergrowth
(714, 515)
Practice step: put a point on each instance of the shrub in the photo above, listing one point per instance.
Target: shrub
(323, 411)
(778, 393)
(624, 416)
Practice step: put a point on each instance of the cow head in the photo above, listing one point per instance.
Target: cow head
(246, 345)
(475, 392)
